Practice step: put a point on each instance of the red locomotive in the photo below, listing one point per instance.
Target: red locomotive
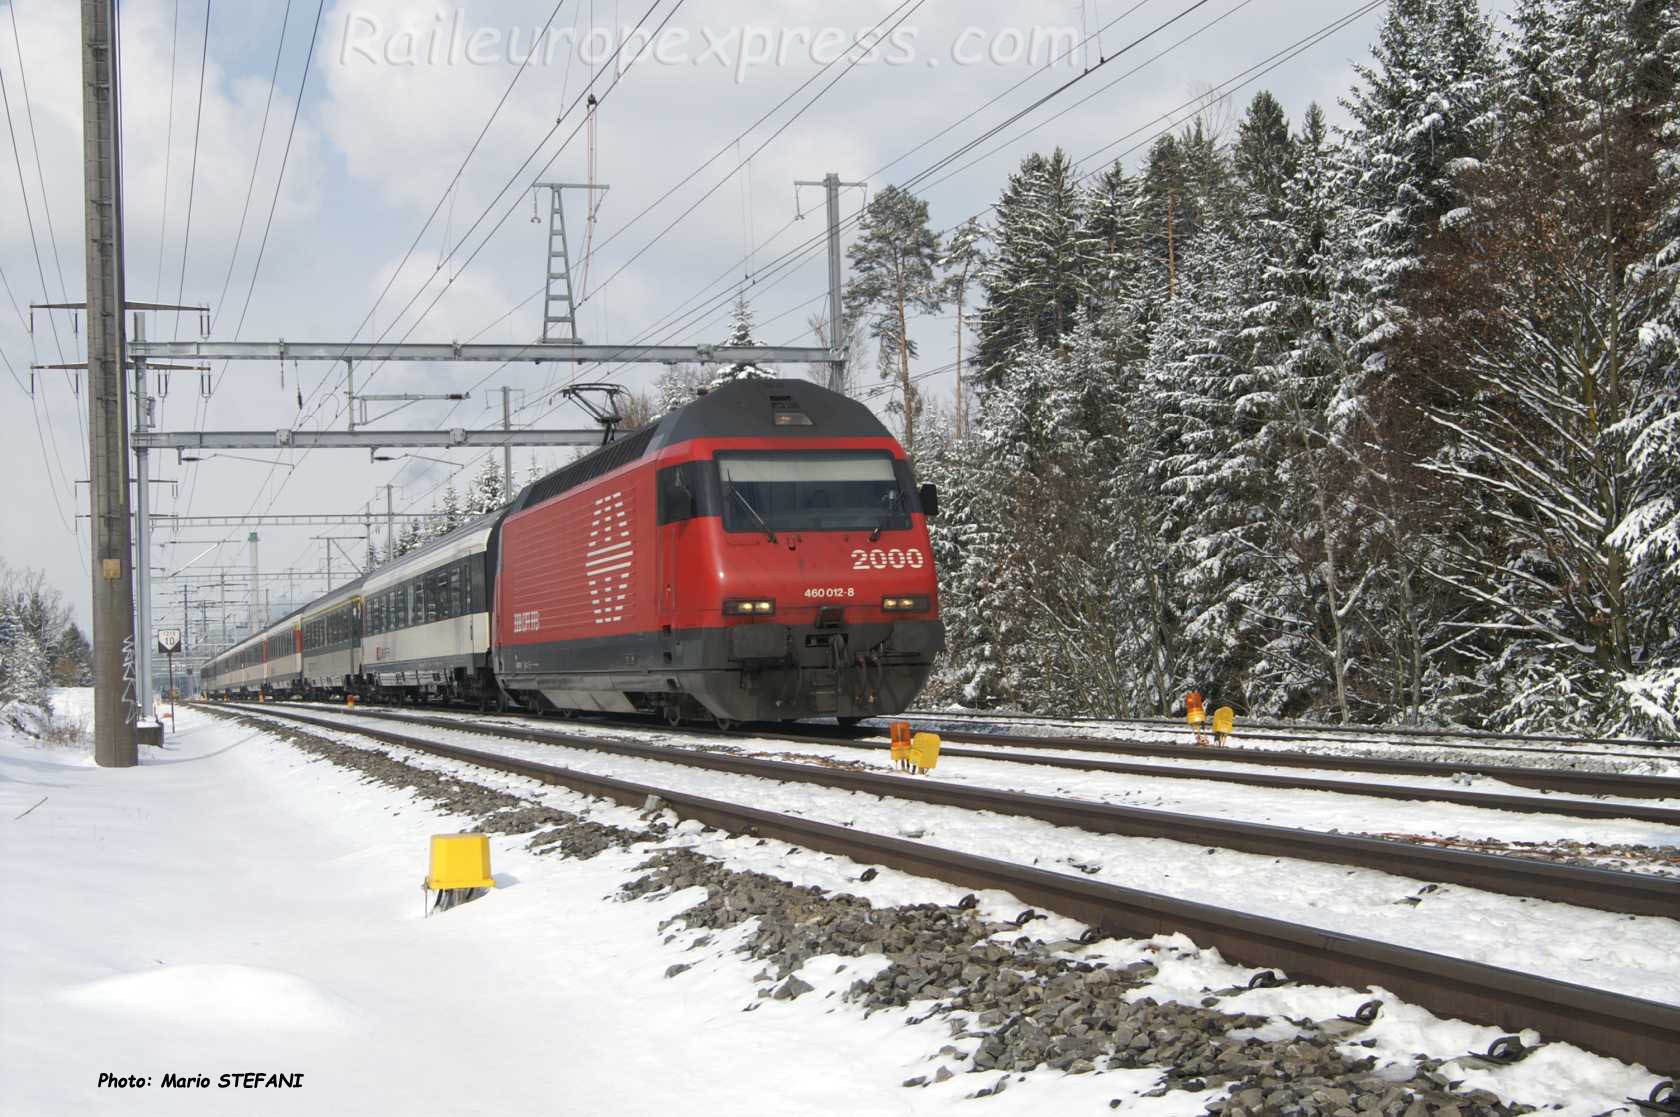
(759, 554)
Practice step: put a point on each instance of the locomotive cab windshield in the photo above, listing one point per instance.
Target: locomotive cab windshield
(814, 490)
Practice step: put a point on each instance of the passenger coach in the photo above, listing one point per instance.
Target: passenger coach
(426, 620)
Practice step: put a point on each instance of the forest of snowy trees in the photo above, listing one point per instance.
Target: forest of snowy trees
(1377, 423)
(40, 645)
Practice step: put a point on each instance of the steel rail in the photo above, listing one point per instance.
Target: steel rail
(1612, 1024)
(1527, 804)
(1452, 738)
(1603, 889)
(1545, 779)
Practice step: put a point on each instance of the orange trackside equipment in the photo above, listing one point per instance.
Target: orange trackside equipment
(900, 742)
(1193, 711)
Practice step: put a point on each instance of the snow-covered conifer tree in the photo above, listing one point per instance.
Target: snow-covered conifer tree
(741, 335)
(485, 493)
(1042, 265)
(894, 279)
(965, 255)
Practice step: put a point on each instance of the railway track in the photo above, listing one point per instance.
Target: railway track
(1602, 889)
(1620, 1026)
(1537, 778)
(1545, 779)
(1375, 736)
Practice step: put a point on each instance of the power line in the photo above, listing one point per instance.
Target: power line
(58, 264)
(256, 162)
(268, 225)
(911, 5)
(724, 150)
(456, 178)
(993, 131)
(192, 174)
(850, 66)
(791, 259)
(952, 127)
(617, 80)
(35, 143)
(29, 215)
(40, 271)
(168, 151)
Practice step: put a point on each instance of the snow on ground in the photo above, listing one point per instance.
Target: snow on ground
(1628, 954)
(233, 906)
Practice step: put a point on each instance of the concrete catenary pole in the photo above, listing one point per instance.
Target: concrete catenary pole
(832, 185)
(836, 313)
(256, 585)
(114, 743)
(507, 448)
(142, 541)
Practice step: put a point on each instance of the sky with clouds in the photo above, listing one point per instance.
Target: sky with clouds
(369, 238)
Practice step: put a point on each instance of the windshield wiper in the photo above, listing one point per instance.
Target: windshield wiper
(747, 504)
(887, 513)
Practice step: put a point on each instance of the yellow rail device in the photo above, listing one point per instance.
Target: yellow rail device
(1223, 719)
(460, 861)
(924, 751)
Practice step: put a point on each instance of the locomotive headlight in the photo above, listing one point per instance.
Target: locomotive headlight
(749, 607)
(915, 603)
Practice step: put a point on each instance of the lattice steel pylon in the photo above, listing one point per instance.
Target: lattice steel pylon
(559, 324)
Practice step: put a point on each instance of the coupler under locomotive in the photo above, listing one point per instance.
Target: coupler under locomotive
(778, 672)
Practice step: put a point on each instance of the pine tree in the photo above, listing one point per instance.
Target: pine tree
(25, 673)
(964, 257)
(1186, 189)
(11, 632)
(741, 336)
(1112, 229)
(894, 265)
(1264, 159)
(678, 385)
(1042, 265)
(1421, 113)
(72, 658)
(449, 514)
(412, 537)
(485, 494)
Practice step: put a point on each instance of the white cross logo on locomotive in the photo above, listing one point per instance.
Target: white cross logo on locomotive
(606, 562)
